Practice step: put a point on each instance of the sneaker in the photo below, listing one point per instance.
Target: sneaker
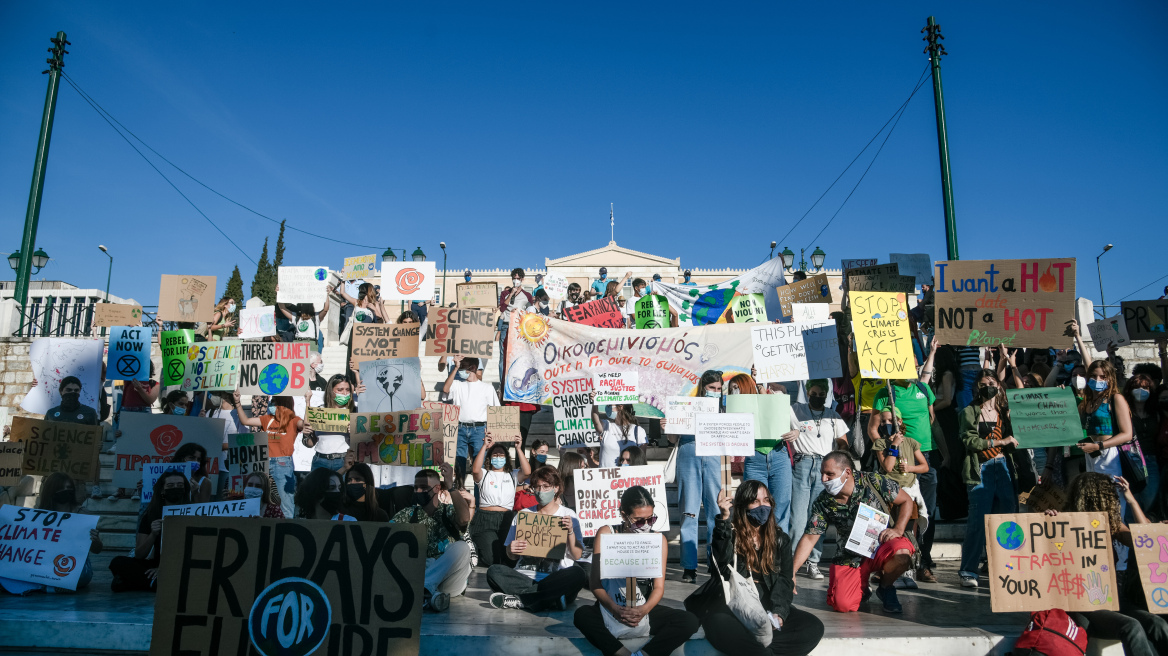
(135, 497)
(439, 602)
(558, 604)
(95, 492)
(905, 581)
(813, 572)
(112, 497)
(500, 600)
(689, 576)
(968, 581)
(925, 575)
(866, 593)
(888, 597)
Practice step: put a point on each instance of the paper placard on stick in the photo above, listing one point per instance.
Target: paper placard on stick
(382, 341)
(361, 267)
(1012, 302)
(556, 286)
(624, 555)
(1146, 320)
(305, 603)
(724, 434)
(413, 438)
(546, 537)
(1106, 332)
(1150, 545)
(807, 312)
(57, 446)
(328, 420)
(503, 423)
(11, 463)
(117, 314)
(236, 508)
(601, 313)
(477, 294)
(749, 308)
(450, 414)
(882, 282)
(302, 284)
(572, 420)
(883, 338)
(54, 358)
(46, 548)
(598, 493)
(186, 298)
(152, 471)
(917, 265)
(247, 453)
(407, 281)
(1038, 562)
(255, 323)
(615, 387)
(461, 331)
(1044, 416)
(814, 289)
(128, 357)
(853, 263)
(391, 385)
(211, 366)
(154, 438)
(680, 410)
(652, 311)
(274, 368)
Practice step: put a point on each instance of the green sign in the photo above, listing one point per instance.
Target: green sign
(174, 345)
(652, 311)
(749, 308)
(1044, 416)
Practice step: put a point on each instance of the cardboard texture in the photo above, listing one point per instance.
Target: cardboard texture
(361, 267)
(247, 453)
(1013, 302)
(11, 463)
(382, 341)
(1150, 545)
(853, 263)
(882, 282)
(461, 331)
(57, 446)
(503, 423)
(128, 357)
(1146, 320)
(303, 284)
(1044, 416)
(598, 493)
(116, 314)
(883, 338)
(450, 414)
(407, 281)
(186, 298)
(601, 313)
(546, 537)
(477, 294)
(413, 438)
(328, 420)
(1043, 497)
(812, 290)
(155, 438)
(274, 368)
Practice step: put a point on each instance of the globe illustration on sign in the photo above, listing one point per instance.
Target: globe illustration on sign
(1010, 536)
(273, 379)
(320, 274)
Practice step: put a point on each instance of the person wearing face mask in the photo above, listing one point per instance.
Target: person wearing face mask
(631, 304)
(201, 487)
(654, 286)
(601, 283)
(368, 306)
(543, 304)
(283, 428)
(305, 319)
(1145, 425)
(900, 458)
(496, 482)
(447, 556)
(538, 285)
(140, 571)
(617, 433)
(821, 431)
(58, 494)
(699, 479)
(573, 299)
(539, 453)
(611, 618)
(222, 321)
(321, 495)
(537, 584)
(632, 456)
(686, 279)
(747, 538)
(511, 299)
(361, 495)
(771, 462)
(1106, 416)
(472, 396)
(330, 447)
(221, 405)
(71, 409)
(257, 485)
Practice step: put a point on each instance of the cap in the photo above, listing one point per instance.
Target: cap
(688, 273)
(538, 277)
(467, 272)
(603, 270)
(656, 276)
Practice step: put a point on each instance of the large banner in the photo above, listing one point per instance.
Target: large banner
(1146, 320)
(44, 547)
(701, 305)
(57, 446)
(1013, 302)
(461, 331)
(155, 438)
(186, 298)
(239, 585)
(54, 358)
(547, 357)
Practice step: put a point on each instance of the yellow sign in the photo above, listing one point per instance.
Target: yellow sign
(883, 339)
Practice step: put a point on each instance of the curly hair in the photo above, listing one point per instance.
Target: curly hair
(1095, 492)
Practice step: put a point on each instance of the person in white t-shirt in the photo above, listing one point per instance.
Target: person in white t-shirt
(223, 404)
(497, 481)
(821, 431)
(329, 448)
(617, 433)
(631, 304)
(472, 396)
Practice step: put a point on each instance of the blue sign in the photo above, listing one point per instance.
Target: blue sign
(129, 354)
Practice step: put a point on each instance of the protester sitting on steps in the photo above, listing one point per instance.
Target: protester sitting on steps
(320, 495)
(632, 456)
(900, 458)
(58, 494)
(201, 487)
(821, 431)
(257, 485)
(140, 572)
(447, 556)
(361, 495)
(496, 481)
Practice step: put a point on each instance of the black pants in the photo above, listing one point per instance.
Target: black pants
(1140, 632)
(489, 529)
(669, 627)
(566, 583)
(130, 574)
(801, 633)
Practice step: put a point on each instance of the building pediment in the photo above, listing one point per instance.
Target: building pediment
(615, 256)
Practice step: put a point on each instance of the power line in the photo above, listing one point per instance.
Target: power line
(110, 117)
(1144, 287)
(143, 156)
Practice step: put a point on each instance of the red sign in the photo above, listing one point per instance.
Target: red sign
(601, 313)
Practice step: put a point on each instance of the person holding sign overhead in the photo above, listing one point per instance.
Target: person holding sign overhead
(283, 427)
(612, 617)
(496, 481)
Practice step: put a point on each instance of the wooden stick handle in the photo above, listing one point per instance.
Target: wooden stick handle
(630, 592)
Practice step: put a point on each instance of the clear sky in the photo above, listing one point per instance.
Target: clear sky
(506, 129)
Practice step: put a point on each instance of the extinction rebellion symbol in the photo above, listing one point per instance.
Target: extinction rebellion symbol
(128, 365)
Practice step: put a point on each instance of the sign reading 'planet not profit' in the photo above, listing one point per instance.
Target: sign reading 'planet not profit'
(274, 368)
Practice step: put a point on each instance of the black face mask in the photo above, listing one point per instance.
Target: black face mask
(71, 399)
(62, 497)
(355, 490)
(331, 501)
(987, 393)
(816, 401)
(174, 495)
(422, 498)
(887, 430)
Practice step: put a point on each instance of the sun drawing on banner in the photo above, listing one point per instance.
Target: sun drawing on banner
(534, 329)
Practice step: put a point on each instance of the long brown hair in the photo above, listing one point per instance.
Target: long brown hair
(761, 560)
(54, 483)
(154, 510)
(1092, 399)
(1000, 403)
(265, 485)
(364, 473)
(329, 400)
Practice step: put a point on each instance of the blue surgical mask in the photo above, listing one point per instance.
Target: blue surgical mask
(461, 374)
(498, 462)
(1140, 394)
(178, 410)
(1068, 366)
(759, 514)
(713, 395)
(467, 278)
(1097, 385)
(541, 458)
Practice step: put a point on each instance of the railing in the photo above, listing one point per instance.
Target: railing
(73, 316)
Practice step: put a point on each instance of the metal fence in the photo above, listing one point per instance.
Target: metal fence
(72, 316)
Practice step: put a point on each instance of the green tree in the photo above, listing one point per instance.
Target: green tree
(279, 250)
(235, 291)
(264, 283)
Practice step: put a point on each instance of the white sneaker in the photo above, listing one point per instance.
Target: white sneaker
(135, 497)
(813, 572)
(112, 497)
(968, 582)
(95, 492)
(500, 600)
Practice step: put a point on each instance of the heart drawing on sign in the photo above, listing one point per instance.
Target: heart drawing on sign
(166, 439)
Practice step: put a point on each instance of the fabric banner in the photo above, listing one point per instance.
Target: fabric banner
(407, 281)
(274, 368)
(572, 421)
(477, 295)
(238, 585)
(302, 284)
(247, 453)
(598, 493)
(129, 354)
(1146, 320)
(546, 357)
(360, 267)
(1012, 302)
(174, 344)
(186, 298)
(210, 366)
(155, 438)
(1150, 546)
(701, 305)
(601, 313)
(413, 438)
(812, 290)
(235, 508)
(44, 547)
(391, 385)
(57, 446)
(54, 358)
(255, 323)
(1044, 416)
(1107, 332)
(652, 312)
(883, 338)
(917, 265)
(116, 314)
(382, 341)
(461, 331)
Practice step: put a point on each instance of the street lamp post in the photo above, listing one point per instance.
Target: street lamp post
(772, 255)
(108, 274)
(442, 296)
(1099, 270)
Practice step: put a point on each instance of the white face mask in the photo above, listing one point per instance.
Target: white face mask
(230, 308)
(318, 367)
(835, 485)
(1079, 382)
(252, 493)
(515, 282)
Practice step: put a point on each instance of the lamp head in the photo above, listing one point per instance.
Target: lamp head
(103, 250)
(1107, 248)
(442, 245)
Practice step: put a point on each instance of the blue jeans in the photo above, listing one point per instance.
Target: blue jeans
(806, 486)
(699, 480)
(928, 487)
(470, 440)
(774, 471)
(284, 476)
(993, 496)
(333, 464)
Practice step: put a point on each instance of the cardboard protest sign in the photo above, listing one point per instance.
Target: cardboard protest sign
(624, 555)
(461, 331)
(255, 323)
(57, 446)
(853, 263)
(724, 434)
(186, 298)
(477, 294)
(821, 345)
(680, 411)
(54, 358)
(1146, 320)
(615, 387)
(128, 357)
(556, 286)
(1039, 562)
(812, 290)
(917, 265)
(11, 463)
(450, 414)
(382, 341)
(572, 420)
(391, 385)
(882, 282)
(412, 438)
(117, 314)
(891, 269)
(598, 493)
(503, 423)
(247, 453)
(1043, 497)
(1044, 416)
(154, 438)
(152, 471)
(808, 312)
(546, 537)
(883, 338)
(328, 420)
(1150, 543)
(274, 586)
(361, 267)
(601, 313)
(210, 366)
(652, 311)
(1107, 332)
(1011, 302)
(174, 345)
(236, 508)
(274, 368)
(408, 281)
(749, 308)
(771, 412)
(302, 284)
(44, 547)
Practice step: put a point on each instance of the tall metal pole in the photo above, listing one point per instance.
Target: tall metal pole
(936, 50)
(442, 296)
(33, 214)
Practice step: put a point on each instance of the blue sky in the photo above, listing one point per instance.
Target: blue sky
(507, 131)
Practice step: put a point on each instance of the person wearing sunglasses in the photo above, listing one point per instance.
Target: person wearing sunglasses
(610, 619)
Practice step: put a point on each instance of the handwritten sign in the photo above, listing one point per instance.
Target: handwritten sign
(450, 414)
(151, 438)
(598, 493)
(821, 344)
(152, 471)
(572, 420)
(1150, 542)
(882, 282)
(652, 311)
(361, 267)
(1038, 562)
(413, 438)
(274, 368)
(1044, 416)
(236, 508)
(853, 263)
(556, 285)
(461, 331)
(303, 284)
(11, 456)
(117, 314)
(247, 453)
(812, 290)
(615, 387)
(373, 341)
(883, 339)
(749, 308)
(1146, 320)
(601, 313)
(724, 434)
(328, 420)
(255, 323)
(210, 366)
(1108, 332)
(1043, 497)
(636, 555)
(129, 354)
(1011, 302)
(186, 298)
(477, 294)
(55, 446)
(546, 537)
(917, 265)
(810, 312)
(780, 350)
(44, 547)
(503, 423)
(680, 411)
(174, 345)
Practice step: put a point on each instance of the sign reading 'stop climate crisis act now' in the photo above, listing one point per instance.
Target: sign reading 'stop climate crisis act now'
(1013, 302)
